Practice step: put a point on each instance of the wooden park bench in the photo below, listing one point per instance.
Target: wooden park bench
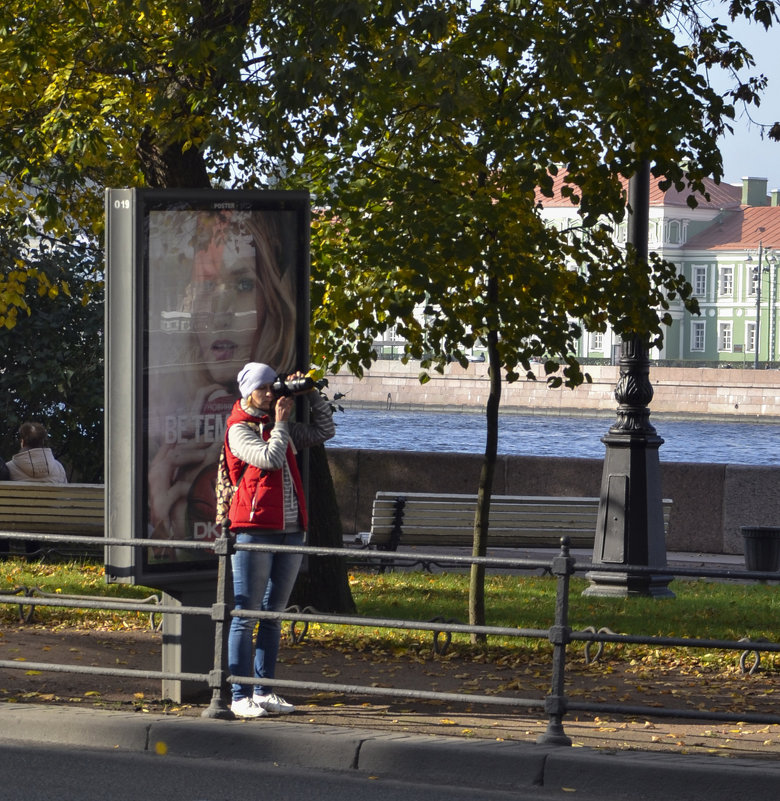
(441, 520)
(62, 509)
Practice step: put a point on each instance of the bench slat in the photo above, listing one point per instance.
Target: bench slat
(31, 507)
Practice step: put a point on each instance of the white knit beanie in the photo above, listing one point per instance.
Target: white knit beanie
(254, 375)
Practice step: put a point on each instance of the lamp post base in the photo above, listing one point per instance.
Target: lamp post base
(630, 528)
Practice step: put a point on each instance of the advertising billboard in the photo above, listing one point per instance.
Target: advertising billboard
(199, 282)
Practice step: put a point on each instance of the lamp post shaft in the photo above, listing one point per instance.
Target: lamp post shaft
(630, 526)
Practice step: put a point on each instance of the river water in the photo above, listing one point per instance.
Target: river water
(532, 435)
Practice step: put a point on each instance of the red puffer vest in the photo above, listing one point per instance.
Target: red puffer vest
(259, 500)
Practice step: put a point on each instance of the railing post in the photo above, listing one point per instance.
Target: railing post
(220, 614)
(560, 636)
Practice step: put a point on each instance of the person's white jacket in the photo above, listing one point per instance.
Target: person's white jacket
(37, 464)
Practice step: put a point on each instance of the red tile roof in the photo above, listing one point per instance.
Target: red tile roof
(740, 230)
(721, 195)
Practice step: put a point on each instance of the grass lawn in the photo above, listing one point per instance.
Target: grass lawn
(701, 609)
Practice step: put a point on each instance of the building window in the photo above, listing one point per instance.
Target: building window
(699, 280)
(697, 335)
(750, 337)
(596, 340)
(724, 337)
(752, 274)
(674, 237)
(726, 281)
(656, 232)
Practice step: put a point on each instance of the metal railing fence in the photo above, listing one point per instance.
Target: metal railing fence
(561, 567)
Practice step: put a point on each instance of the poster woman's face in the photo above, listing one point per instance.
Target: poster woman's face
(226, 304)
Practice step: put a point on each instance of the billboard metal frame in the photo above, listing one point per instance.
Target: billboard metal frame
(129, 278)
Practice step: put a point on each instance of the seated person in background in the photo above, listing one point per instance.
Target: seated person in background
(34, 462)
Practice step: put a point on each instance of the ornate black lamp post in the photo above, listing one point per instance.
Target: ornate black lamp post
(630, 527)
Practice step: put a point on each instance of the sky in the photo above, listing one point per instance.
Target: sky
(745, 153)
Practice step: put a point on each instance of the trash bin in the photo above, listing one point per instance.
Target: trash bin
(762, 548)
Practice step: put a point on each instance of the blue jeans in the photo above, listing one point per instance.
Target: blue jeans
(261, 582)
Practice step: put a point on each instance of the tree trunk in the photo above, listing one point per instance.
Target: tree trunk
(482, 515)
(324, 583)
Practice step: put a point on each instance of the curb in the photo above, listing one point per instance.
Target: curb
(439, 760)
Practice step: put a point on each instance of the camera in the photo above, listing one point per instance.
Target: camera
(283, 387)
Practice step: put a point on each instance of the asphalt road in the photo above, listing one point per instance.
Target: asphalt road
(34, 772)
(50, 753)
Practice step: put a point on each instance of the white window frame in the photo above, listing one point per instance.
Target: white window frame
(597, 340)
(726, 282)
(725, 337)
(750, 337)
(698, 336)
(752, 278)
(699, 280)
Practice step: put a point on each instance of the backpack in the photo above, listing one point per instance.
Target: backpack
(225, 489)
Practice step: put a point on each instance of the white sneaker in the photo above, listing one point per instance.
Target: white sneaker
(273, 703)
(247, 708)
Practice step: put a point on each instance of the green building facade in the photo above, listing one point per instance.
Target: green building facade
(722, 247)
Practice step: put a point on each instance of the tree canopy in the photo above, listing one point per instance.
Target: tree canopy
(430, 132)
(51, 359)
(465, 116)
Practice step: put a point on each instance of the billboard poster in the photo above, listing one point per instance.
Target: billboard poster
(223, 281)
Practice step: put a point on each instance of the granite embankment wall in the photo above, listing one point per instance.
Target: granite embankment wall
(678, 391)
(710, 501)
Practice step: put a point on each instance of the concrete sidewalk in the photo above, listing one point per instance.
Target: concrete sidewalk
(444, 761)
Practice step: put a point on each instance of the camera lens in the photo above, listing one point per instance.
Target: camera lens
(294, 386)
(300, 384)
